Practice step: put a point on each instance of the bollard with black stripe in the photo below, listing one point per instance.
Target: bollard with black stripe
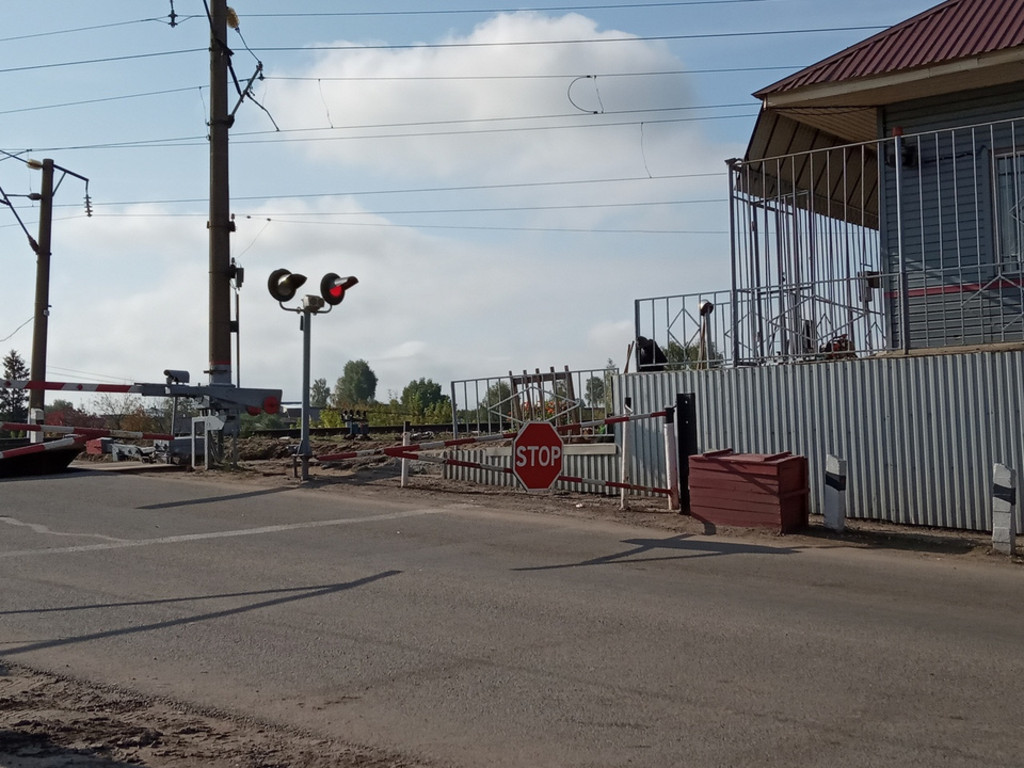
(1004, 510)
(835, 493)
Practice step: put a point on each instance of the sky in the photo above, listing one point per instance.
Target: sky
(504, 180)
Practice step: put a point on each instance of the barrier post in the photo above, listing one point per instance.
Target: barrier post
(835, 493)
(1004, 510)
(627, 428)
(36, 416)
(406, 439)
(671, 459)
(686, 439)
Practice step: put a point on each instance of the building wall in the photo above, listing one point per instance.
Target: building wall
(920, 434)
(941, 198)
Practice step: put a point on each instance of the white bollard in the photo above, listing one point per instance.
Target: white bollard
(1004, 510)
(36, 416)
(627, 427)
(835, 493)
(671, 460)
(406, 440)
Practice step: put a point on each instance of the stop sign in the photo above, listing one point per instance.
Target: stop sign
(537, 455)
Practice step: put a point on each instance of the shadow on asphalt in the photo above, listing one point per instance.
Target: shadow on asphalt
(305, 593)
(679, 547)
(898, 538)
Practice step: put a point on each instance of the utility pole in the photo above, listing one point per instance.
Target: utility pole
(36, 397)
(220, 224)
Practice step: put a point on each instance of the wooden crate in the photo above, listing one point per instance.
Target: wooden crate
(750, 489)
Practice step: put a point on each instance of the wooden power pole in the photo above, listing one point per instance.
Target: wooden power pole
(40, 324)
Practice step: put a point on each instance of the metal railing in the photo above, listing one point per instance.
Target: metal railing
(505, 403)
(907, 243)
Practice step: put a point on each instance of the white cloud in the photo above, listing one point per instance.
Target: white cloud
(433, 104)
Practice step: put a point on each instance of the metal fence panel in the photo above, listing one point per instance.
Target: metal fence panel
(920, 434)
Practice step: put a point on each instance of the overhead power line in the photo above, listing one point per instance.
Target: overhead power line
(288, 135)
(94, 28)
(475, 11)
(177, 19)
(84, 102)
(105, 60)
(435, 190)
(414, 78)
(468, 227)
(438, 46)
(562, 76)
(578, 41)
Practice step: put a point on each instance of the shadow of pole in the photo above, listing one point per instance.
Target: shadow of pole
(307, 594)
(682, 542)
(215, 499)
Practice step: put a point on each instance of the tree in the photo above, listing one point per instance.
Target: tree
(496, 405)
(357, 385)
(319, 394)
(14, 402)
(251, 424)
(419, 395)
(595, 391)
(63, 413)
(422, 400)
(117, 409)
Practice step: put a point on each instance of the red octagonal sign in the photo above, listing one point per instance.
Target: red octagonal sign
(537, 455)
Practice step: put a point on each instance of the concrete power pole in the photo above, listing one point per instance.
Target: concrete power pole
(220, 224)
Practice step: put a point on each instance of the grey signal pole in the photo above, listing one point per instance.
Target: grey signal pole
(220, 224)
(309, 308)
(40, 325)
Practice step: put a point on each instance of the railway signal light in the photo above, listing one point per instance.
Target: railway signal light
(333, 288)
(283, 284)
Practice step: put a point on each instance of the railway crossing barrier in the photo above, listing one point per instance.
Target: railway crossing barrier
(426, 452)
(88, 433)
(222, 402)
(67, 442)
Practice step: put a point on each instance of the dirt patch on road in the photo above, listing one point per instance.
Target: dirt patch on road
(48, 721)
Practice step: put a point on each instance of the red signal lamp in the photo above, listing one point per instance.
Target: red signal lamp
(333, 287)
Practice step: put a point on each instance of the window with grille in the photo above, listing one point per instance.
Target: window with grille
(1009, 214)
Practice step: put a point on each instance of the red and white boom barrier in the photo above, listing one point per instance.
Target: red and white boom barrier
(59, 386)
(87, 432)
(66, 442)
(219, 396)
(508, 471)
(416, 453)
(398, 451)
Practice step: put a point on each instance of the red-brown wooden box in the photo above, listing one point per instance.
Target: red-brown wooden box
(750, 489)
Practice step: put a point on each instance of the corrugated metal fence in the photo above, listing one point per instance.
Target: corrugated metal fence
(920, 434)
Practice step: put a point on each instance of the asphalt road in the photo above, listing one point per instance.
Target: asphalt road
(475, 636)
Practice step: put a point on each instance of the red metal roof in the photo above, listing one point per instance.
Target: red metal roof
(955, 29)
